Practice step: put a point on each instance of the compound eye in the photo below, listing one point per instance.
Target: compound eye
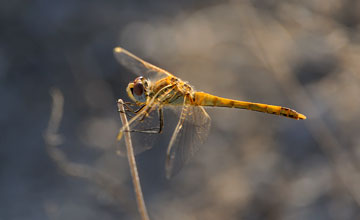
(138, 89)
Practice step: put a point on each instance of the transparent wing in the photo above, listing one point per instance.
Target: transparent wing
(139, 66)
(143, 131)
(190, 133)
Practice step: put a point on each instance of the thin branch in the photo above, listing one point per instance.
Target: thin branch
(132, 163)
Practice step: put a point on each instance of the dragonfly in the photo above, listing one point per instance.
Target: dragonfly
(156, 88)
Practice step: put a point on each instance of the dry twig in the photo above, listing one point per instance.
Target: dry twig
(132, 163)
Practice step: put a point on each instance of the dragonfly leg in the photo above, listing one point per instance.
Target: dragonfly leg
(157, 130)
(128, 104)
(139, 109)
(144, 111)
(129, 109)
(146, 114)
(161, 119)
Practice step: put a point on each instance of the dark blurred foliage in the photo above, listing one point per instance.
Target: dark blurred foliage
(304, 55)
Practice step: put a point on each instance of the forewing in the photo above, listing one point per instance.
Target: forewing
(139, 66)
(190, 133)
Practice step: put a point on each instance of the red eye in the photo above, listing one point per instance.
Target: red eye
(138, 89)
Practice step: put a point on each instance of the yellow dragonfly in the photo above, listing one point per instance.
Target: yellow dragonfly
(156, 88)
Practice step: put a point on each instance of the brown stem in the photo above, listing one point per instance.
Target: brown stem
(132, 163)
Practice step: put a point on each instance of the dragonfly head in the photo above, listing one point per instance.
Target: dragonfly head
(138, 90)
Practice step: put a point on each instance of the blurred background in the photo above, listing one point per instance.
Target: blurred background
(303, 55)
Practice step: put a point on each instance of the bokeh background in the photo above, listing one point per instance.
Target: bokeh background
(304, 55)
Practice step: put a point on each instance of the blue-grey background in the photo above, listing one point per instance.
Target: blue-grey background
(304, 55)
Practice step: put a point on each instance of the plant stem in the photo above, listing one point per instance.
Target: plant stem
(132, 163)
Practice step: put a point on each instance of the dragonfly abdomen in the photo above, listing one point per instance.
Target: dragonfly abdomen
(205, 99)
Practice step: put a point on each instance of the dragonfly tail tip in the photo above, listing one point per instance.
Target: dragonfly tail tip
(302, 117)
